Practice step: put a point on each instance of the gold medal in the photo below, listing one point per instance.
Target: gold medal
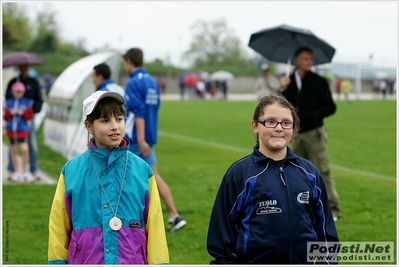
(115, 223)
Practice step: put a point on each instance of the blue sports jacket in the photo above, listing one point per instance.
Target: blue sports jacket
(18, 126)
(110, 86)
(266, 214)
(142, 100)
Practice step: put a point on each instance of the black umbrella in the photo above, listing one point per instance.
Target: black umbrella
(21, 58)
(279, 44)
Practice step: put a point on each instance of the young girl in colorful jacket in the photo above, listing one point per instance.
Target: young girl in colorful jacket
(106, 208)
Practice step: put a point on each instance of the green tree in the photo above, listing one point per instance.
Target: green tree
(46, 37)
(214, 44)
(16, 27)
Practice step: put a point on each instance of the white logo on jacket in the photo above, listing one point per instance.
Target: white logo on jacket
(268, 207)
(303, 197)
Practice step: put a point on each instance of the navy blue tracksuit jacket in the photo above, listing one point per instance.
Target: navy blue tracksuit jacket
(265, 212)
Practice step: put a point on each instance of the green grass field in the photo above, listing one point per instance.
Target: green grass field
(198, 141)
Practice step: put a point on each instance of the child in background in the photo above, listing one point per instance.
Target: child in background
(18, 111)
(271, 202)
(106, 208)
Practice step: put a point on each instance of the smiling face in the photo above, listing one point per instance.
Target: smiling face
(273, 141)
(108, 132)
(107, 123)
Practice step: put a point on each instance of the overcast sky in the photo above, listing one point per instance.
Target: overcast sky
(355, 29)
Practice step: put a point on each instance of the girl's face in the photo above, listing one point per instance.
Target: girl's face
(273, 141)
(17, 94)
(107, 132)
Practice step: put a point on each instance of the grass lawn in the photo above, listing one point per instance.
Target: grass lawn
(198, 141)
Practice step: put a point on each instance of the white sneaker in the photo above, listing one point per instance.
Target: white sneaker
(16, 177)
(28, 177)
(176, 223)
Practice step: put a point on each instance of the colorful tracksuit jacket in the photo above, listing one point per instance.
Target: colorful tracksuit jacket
(79, 231)
(265, 213)
(17, 126)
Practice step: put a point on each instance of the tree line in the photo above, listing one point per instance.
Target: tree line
(213, 45)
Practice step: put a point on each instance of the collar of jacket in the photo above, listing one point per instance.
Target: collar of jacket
(138, 71)
(258, 156)
(124, 143)
(105, 82)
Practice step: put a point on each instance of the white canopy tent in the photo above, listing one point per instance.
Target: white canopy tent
(64, 131)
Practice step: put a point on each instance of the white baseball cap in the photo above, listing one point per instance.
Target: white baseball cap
(91, 102)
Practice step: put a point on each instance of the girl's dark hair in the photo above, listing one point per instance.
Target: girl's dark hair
(106, 107)
(281, 100)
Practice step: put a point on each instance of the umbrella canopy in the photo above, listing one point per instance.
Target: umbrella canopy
(21, 58)
(279, 44)
(222, 75)
(190, 79)
(204, 75)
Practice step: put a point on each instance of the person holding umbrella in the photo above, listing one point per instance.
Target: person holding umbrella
(311, 95)
(34, 93)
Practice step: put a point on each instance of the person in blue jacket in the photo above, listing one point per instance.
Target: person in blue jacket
(101, 77)
(270, 203)
(142, 102)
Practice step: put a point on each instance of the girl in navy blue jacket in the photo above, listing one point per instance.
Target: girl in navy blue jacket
(271, 203)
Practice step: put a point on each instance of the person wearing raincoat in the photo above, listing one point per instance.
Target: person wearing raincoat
(106, 208)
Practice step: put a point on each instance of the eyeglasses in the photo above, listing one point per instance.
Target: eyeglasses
(273, 124)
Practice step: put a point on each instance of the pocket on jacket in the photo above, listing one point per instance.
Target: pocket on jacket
(73, 253)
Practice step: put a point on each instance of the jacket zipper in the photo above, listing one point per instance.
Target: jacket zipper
(281, 176)
(288, 206)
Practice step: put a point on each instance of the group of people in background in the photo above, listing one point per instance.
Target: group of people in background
(384, 87)
(204, 88)
(23, 100)
(106, 207)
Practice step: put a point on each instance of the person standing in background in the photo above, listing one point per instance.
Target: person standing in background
(33, 92)
(18, 112)
(338, 87)
(267, 83)
(310, 94)
(346, 87)
(142, 102)
(103, 81)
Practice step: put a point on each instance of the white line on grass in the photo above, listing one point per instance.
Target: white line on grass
(239, 149)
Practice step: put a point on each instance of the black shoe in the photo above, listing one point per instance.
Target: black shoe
(176, 224)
